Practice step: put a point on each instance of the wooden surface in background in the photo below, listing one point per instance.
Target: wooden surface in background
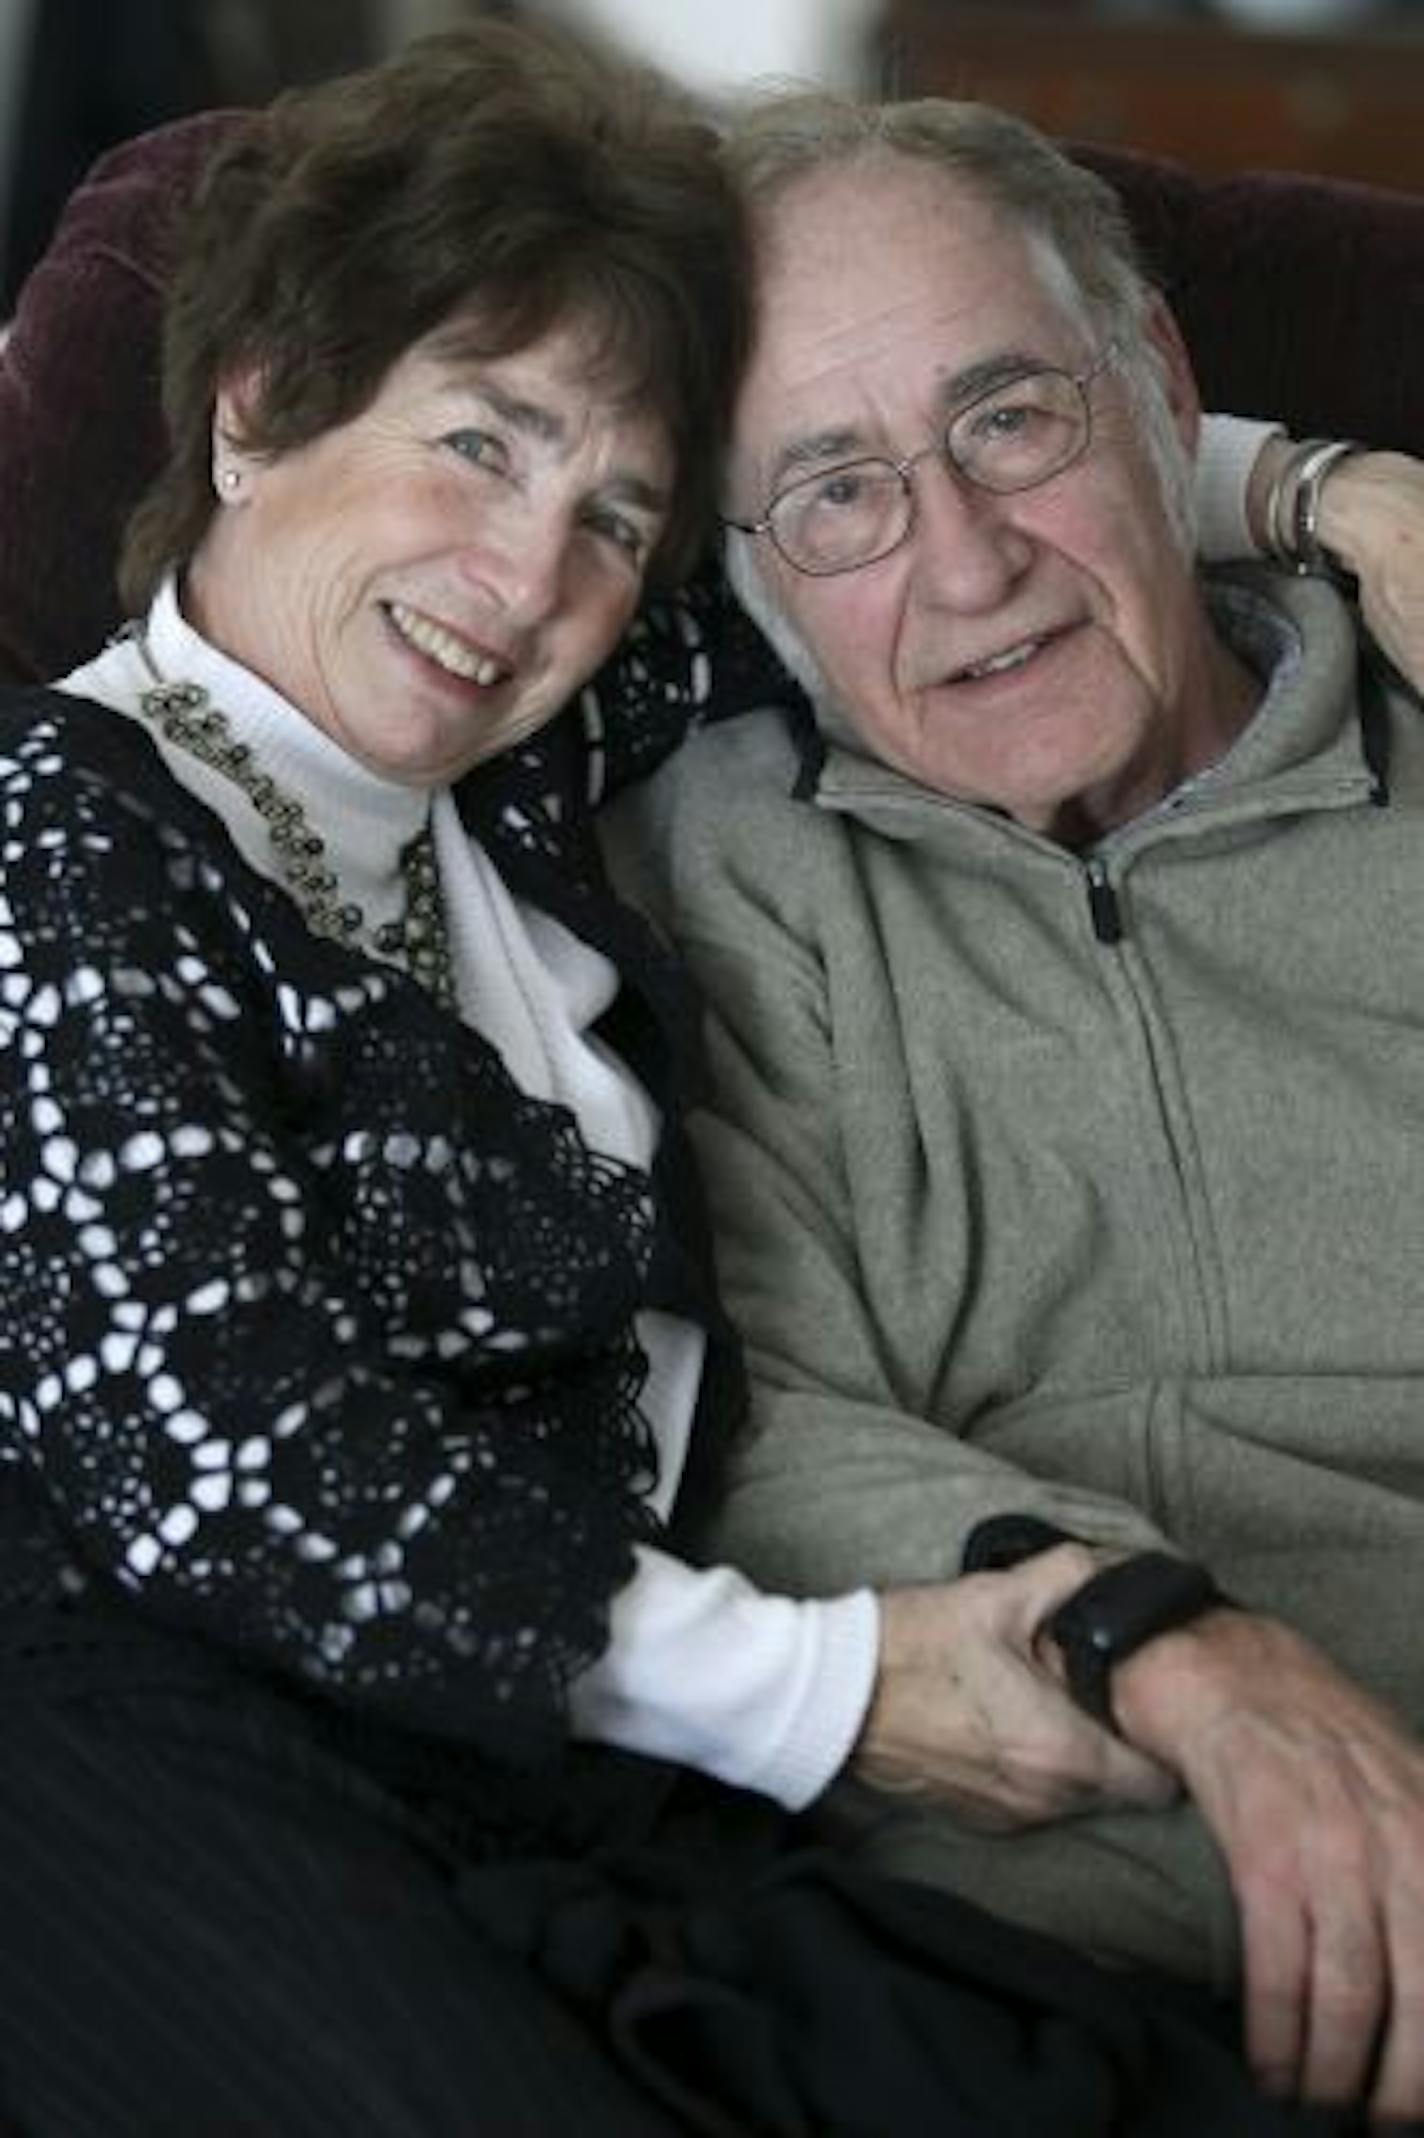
(1216, 99)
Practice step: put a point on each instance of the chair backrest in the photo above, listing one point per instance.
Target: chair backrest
(1300, 298)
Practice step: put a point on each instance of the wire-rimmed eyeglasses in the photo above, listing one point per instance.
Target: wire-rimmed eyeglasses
(1013, 437)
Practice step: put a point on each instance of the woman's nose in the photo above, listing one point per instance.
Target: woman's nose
(523, 563)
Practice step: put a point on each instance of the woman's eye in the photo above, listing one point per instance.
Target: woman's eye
(482, 448)
(625, 535)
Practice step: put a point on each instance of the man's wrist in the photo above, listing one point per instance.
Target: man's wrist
(1350, 500)
(1172, 1689)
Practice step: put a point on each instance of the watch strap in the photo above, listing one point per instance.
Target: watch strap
(999, 1541)
(1117, 1612)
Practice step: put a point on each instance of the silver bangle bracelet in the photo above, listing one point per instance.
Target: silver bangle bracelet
(1291, 512)
(1279, 513)
(1311, 554)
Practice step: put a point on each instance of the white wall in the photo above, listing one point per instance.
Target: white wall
(719, 46)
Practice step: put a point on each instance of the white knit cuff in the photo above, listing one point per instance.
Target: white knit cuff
(841, 1665)
(764, 1692)
(1227, 451)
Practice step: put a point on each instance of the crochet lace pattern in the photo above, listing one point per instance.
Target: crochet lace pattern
(691, 657)
(315, 1329)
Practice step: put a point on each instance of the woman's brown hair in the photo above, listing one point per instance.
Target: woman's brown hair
(502, 175)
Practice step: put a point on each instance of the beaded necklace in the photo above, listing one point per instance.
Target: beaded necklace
(418, 942)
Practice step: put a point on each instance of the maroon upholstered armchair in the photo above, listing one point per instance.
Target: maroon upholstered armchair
(1300, 298)
(81, 432)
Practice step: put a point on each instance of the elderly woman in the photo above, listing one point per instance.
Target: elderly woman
(354, 1324)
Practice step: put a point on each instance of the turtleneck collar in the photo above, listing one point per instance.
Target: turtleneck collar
(365, 819)
(298, 754)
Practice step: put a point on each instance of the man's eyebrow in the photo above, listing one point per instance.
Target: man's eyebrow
(999, 369)
(816, 449)
(848, 441)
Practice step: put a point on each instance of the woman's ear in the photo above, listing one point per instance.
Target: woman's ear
(231, 462)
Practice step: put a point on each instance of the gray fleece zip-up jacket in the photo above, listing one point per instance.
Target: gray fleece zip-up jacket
(1092, 1186)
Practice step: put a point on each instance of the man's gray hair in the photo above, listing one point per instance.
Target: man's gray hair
(781, 138)
(1072, 218)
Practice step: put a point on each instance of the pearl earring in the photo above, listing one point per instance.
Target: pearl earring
(229, 481)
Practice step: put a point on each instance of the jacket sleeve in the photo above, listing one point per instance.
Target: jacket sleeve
(1227, 451)
(848, 1472)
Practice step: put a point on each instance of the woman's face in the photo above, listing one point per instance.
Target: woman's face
(433, 580)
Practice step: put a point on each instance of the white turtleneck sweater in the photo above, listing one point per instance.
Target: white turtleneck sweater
(762, 1691)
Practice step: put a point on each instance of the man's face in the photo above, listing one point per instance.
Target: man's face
(1044, 653)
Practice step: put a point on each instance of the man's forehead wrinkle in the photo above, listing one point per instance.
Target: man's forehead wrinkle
(950, 384)
(877, 302)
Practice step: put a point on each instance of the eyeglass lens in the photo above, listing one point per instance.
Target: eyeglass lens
(1012, 438)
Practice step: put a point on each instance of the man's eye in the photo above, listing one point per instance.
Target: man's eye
(1006, 420)
(482, 448)
(842, 488)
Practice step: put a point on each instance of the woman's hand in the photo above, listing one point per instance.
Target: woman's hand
(968, 1716)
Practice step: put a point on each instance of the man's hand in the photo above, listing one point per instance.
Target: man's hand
(1372, 519)
(965, 1714)
(1315, 1793)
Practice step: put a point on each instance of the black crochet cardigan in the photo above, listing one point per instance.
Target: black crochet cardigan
(316, 1330)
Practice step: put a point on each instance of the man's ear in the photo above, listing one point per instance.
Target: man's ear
(1164, 338)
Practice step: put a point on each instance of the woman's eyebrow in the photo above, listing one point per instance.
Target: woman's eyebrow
(534, 420)
(531, 417)
(628, 486)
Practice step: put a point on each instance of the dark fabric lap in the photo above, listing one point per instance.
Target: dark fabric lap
(210, 1930)
(212, 1926)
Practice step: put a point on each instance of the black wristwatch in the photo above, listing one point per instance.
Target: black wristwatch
(1117, 1612)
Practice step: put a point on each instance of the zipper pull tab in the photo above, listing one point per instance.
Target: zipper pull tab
(1103, 905)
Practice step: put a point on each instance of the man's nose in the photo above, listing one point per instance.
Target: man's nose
(968, 550)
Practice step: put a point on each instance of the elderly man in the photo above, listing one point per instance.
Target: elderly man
(1066, 1132)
